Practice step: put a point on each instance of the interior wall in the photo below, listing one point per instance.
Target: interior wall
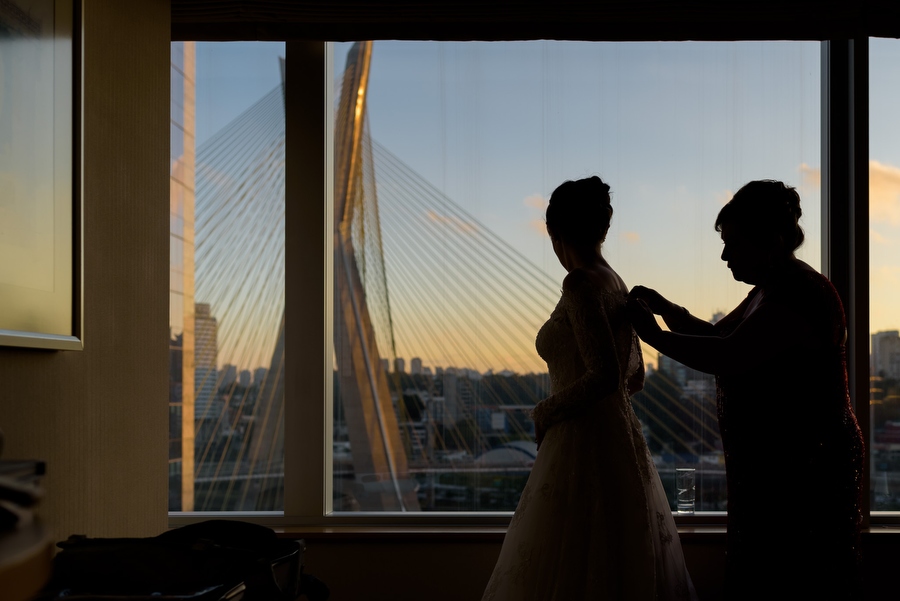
(453, 567)
(99, 417)
(450, 568)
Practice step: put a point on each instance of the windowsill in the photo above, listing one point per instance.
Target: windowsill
(712, 534)
(429, 533)
(703, 528)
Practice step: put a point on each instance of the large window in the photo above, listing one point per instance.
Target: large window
(443, 272)
(445, 156)
(884, 268)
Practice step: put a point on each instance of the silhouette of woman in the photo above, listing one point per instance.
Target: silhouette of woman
(793, 448)
(593, 521)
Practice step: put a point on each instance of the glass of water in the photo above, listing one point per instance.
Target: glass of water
(684, 490)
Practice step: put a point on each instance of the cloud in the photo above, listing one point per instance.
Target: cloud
(884, 193)
(723, 197)
(539, 203)
(885, 288)
(885, 275)
(535, 201)
(632, 237)
(539, 226)
(456, 223)
(877, 238)
(811, 176)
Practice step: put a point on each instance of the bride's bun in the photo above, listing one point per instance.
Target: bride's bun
(579, 211)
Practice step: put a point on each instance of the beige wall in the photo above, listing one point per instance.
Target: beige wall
(99, 417)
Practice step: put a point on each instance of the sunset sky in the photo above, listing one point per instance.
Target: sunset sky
(884, 184)
(674, 128)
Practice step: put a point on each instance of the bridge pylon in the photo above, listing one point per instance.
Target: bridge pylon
(382, 480)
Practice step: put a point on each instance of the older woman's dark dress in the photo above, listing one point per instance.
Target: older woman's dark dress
(793, 455)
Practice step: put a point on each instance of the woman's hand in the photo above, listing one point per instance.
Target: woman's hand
(654, 301)
(642, 319)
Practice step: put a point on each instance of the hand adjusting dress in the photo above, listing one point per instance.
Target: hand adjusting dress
(593, 521)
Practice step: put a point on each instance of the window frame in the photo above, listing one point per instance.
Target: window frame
(309, 214)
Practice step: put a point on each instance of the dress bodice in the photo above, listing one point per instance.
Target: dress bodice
(557, 341)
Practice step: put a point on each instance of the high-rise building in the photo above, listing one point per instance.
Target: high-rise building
(399, 365)
(459, 394)
(885, 357)
(415, 366)
(245, 378)
(206, 353)
(259, 375)
(228, 376)
(181, 278)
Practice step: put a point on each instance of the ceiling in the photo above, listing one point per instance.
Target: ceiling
(615, 20)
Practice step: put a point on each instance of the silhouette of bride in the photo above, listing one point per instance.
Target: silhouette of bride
(593, 521)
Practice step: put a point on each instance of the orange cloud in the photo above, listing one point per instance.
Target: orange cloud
(884, 193)
(877, 238)
(811, 176)
(886, 275)
(535, 201)
(724, 196)
(632, 237)
(539, 226)
(456, 223)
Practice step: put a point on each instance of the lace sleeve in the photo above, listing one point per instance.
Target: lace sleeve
(596, 345)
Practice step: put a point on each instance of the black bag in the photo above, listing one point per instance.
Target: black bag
(215, 560)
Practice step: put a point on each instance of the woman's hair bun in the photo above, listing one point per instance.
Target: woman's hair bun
(579, 211)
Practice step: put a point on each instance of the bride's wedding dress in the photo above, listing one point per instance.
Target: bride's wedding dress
(593, 521)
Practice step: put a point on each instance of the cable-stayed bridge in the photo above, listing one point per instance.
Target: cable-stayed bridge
(417, 279)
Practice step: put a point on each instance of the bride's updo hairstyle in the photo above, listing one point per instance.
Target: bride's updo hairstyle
(767, 210)
(579, 212)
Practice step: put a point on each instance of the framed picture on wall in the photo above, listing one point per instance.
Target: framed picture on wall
(40, 174)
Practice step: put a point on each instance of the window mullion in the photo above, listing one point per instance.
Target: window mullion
(845, 206)
(307, 489)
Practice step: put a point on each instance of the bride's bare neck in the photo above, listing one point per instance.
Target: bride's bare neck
(601, 271)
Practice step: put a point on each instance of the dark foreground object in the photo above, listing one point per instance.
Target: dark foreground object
(215, 560)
